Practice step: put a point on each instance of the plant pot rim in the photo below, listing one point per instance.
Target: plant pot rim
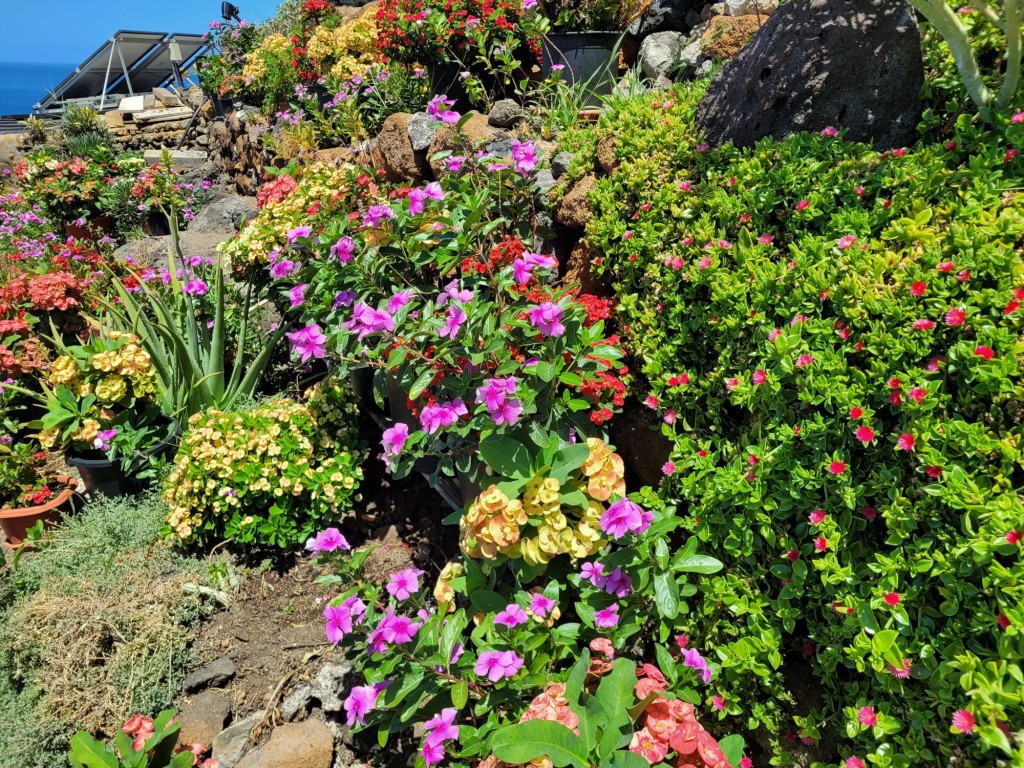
(582, 32)
(70, 486)
(84, 460)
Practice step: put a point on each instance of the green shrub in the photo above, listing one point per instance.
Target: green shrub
(272, 475)
(93, 627)
(832, 336)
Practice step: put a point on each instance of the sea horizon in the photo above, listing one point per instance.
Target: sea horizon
(22, 85)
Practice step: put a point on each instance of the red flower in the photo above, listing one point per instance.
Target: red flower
(934, 472)
(837, 467)
(865, 434)
(1013, 537)
(817, 516)
(1002, 621)
(905, 442)
(963, 722)
(760, 376)
(856, 413)
(820, 544)
(955, 316)
(869, 513)
(918, 288)
(946, 266)
(986, 352)
(917, 394)
(892, 598)
(793, 555)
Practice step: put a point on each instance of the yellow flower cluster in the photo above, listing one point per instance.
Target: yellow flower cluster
(276, 455)
(539, 526)
(269, 230)
(491, 526)
(275, 45)
(605, 471)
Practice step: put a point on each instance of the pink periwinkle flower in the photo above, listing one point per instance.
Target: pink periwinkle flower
(606, 618)
(625, 516)
(328, 540)
(297, 295)
(404, 584)
(296, 233)
(376, 215)
(344, 249)
(524, 153)
(496, 665)
(511, 617)
(366, 320)
(434, 417)
(541, 606)
(308, 343)
(693, 659)
(453, 323)
(547, 318)
(360, 701)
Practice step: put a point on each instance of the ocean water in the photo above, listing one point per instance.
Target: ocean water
(22, 85)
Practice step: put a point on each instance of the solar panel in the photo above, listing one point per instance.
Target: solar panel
(129, 62)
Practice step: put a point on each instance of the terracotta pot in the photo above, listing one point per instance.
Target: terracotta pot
(16, 522)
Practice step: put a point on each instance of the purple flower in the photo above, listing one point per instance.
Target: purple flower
(344, 299)
(397, 629)
(692, 658)
(376, 215)
(454, 293)
(443, 725)
(102, 441)
(394, 439)
(404, 584)
(607, 617)
(309, 342)
(327, 540)
(453, 322)
(594, 573)
(540, 606)
(399, 300)
(512, 616)
(283, 268)
(624, 516)
(366, 320)
(340, 617)
(522, 272)
(528, 4)
(524, 153)
(494, 395)
(432, 750)
(196, 287)
(343, 250)
(546, 318)
(495, 665)
(539, 260)
(434, 417)
(297, 232)
(361, 700)
(455, 162)
(619, 583)
(438, 110)
(297, 295)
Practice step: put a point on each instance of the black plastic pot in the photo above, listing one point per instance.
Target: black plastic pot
(589, 59)
(222, 107)
(156, 224)
(102, 476)
(362, 385)
(446, 80)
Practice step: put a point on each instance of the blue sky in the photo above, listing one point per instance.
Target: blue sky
(66, 31)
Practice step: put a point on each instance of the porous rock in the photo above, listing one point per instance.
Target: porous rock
(421, 131)
(606, 159)
(309, 744)
(575, 210)
(659, 54)
(202, 717)
(230, 744)
(223, 215)
(475, 131)
(854, 64)
(560, 164)
(394, 148)
(725, 36)
(665, 16)
(505, 113)
(750, 7)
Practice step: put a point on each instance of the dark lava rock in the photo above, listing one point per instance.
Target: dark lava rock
(854, 64)
(665, 16)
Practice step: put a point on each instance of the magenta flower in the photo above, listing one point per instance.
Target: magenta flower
(297, 295)
(495, 396)
(298, 232)
(524, 153)
(540, 606)
(283, 268)
(867, 716)
(394, 439)
(308, 343)
(511, 617)
(434, 417)
(522, 272)
(366, 320)
(397, 629)
(196, 287)
(339, 618)
(546, 318)
(376, 215)
(454, 163)
(865, 434)
(594, 573)
(442, 725)
(963, 722)
(399, 300)
(438, 110)
(452, 323)
(496, 665)
(404, 584)
(327, 540)
(454, 293)
(102, 441)
(693, 659)
(361, 700)
(625, 516)
(606, 618)
(845, 242)
(618, 583)
(343, 250)
(760, 376)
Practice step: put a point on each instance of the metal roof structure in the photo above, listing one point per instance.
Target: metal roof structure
(129, 62)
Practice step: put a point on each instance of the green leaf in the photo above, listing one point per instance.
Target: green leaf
(422, 382)
(666, 595)
(524, 742)
(882, 641)
(507, 457)
(623, 758)
(616, 695)
(732, 746)
(89, 753)
(577, 676)
(451, 633)
(697, 564)
(460, 695)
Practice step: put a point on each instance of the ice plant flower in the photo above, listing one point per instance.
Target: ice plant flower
(837, 467)
(865, 434)
(867, 717)
(892, 598)
(760, 376)
(963, 722)
(984, 352)
(404, 584)
(625, 516)
(309, 342)
(905, 442)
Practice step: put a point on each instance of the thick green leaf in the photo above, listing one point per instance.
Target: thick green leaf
(460, 695)
(86, 752)
(697, 564)
(615, 693)
(422, 382)
(732, 746)
(507, 457)
(666, 595)
(623, 758)
(524, 742)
